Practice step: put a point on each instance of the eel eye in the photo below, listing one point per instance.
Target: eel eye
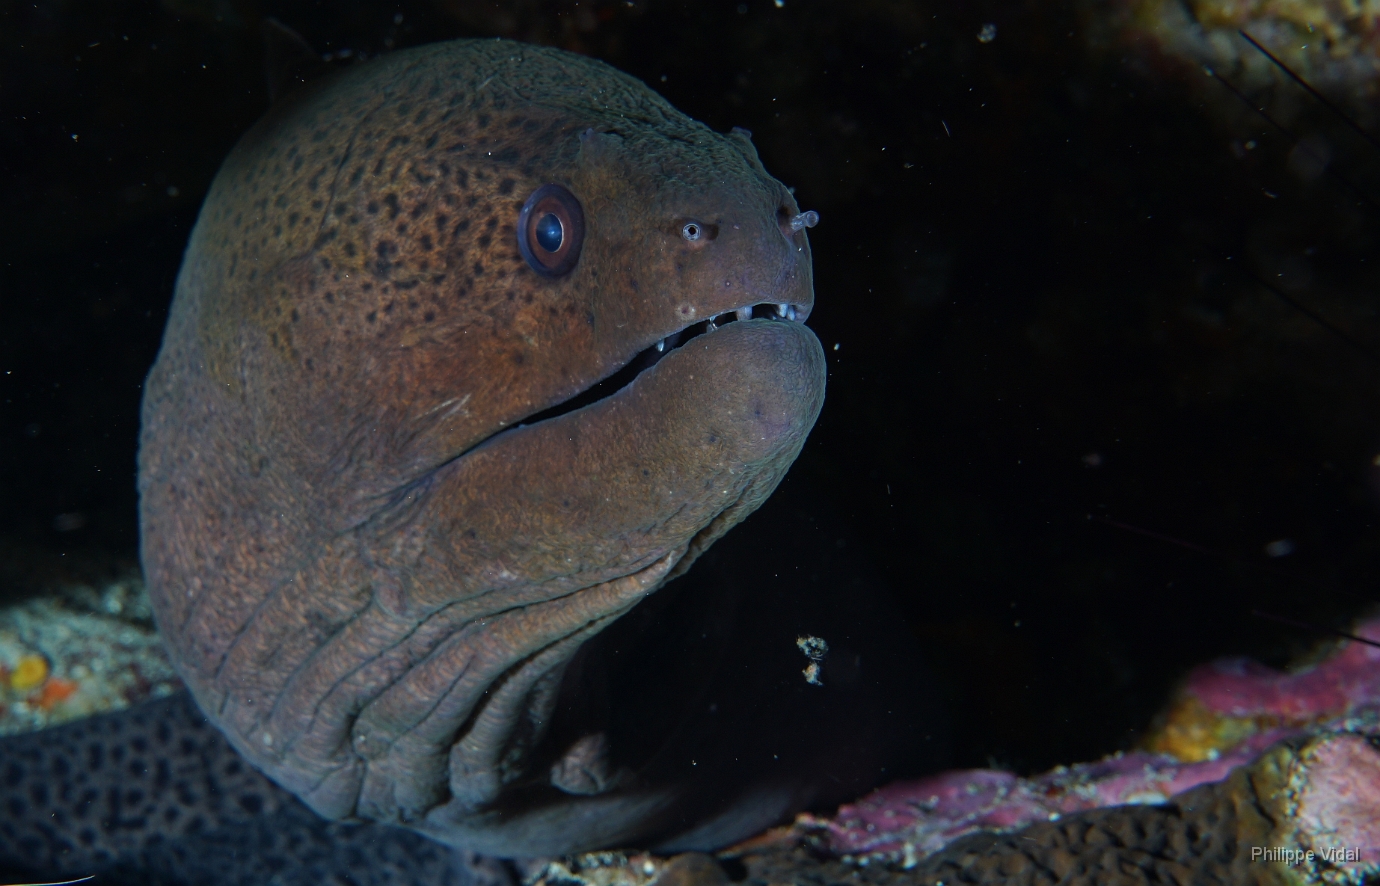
(692, 231)
(550, 230)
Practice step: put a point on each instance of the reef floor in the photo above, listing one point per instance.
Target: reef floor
(1250, 775)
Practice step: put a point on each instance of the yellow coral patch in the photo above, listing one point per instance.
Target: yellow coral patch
(30, 673)
(1192, 733)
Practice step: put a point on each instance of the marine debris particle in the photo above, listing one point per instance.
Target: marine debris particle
(815, 648)
(988, 33)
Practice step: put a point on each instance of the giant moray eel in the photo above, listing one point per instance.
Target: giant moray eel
(450, 385)
(385, 497)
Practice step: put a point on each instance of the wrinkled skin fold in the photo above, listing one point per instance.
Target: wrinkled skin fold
(370, 573)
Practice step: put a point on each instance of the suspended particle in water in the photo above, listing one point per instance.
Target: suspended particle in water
(815, 648)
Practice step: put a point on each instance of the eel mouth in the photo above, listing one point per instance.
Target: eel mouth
(646, 359)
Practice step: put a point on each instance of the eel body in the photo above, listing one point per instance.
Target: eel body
(155, 796)
(473, 347)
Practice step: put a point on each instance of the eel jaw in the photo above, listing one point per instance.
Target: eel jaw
(649, 357)
(630, 490)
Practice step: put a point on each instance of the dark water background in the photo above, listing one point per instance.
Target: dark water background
(1038, 260)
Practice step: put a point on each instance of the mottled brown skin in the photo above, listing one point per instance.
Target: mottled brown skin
(369, 576)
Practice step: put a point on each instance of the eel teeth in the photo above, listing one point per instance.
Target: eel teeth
(744, 313)
(661, 346)
(780, 310)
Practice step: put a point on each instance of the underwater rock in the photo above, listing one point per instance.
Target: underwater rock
(1230, 700)
(626, 869)
(1335, 46)
(1321, 721)
(1316, 793)
(80, 651)
(907, 821)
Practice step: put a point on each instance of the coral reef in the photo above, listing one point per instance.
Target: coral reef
(81, 651)
(1231, 700)
(1226, 714)
(907, 821)
(1253, 776)
(1306, 812)
(1333, 44)
(1317, 792)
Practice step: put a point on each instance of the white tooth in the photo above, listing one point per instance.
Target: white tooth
(790, 313)
(711, 324)
(661, 346)
(744, 313)
(780, 310)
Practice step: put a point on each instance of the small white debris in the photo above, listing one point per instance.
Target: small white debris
(1280, 547)
(988, 33)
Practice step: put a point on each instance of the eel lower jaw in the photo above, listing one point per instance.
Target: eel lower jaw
(642, 361)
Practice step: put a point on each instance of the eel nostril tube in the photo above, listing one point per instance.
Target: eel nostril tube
(806, 219)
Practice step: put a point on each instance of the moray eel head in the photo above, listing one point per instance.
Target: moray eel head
(473, 347)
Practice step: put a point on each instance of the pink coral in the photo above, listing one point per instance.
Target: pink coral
(1338, 799)
(914, 818)
(1347, 681)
